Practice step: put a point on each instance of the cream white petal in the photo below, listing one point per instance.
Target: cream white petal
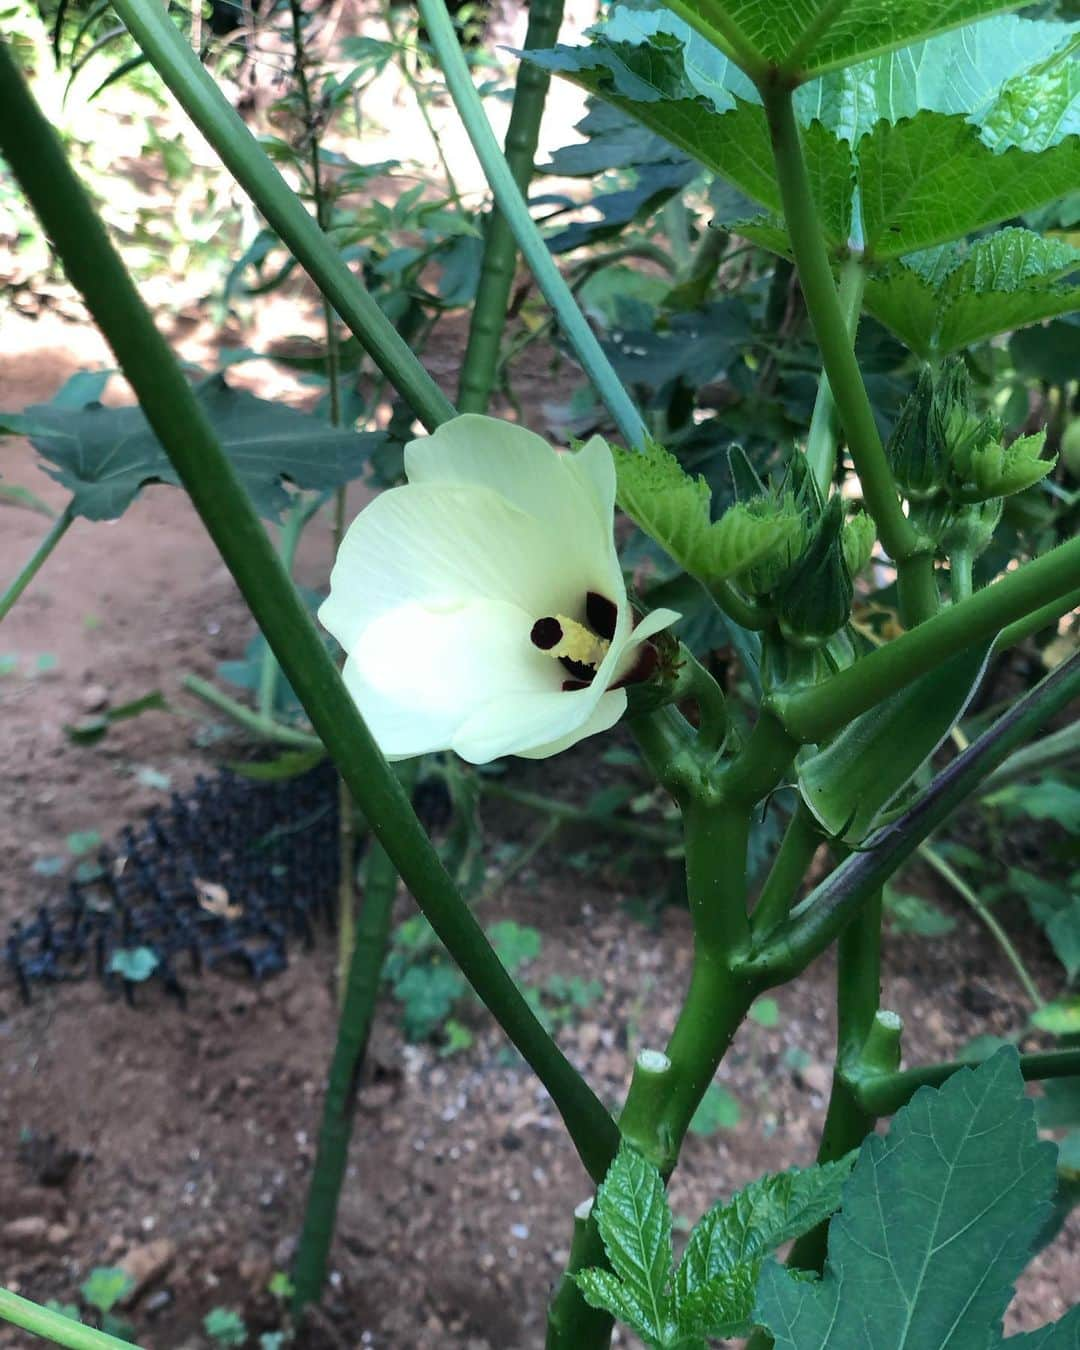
(520, 722)
(594, 469)
(653, 623)
(607, 712)
(523, 468)
(439, 543)
(418, 673)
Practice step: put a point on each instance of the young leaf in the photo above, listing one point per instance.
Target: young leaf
(673, 508)
(105, 455)
(937, 1222)
(632, 1215)
(946, 298)
(715, 1282)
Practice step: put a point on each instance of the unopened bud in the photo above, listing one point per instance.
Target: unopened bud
(914, 448)
(814, 600)
(859, 537)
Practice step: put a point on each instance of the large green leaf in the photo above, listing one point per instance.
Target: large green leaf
(807, 37)
(105, 455)
(938, 1220)
(935, 141)
(949, 297)
(849, 781)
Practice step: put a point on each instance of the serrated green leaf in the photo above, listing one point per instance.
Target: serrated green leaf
(937, 1222)
(105, 455)
(949, 297)
(632, 1214)
(673, 508)
(604, 1290)
(847, 783)
(716, 1279)
(930, 139)
(806, 37)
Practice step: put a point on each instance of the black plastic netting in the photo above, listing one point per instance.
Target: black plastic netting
(230, 874)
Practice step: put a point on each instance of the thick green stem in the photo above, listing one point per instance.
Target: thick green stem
(760, 764)
(970, 898)
(194, 88)
(361, 994)
(914, 565)
(884, 1094)
(500, 250)
(34, 154)
(572, 1324)
(800, 843)
(825, 423)
(54, 1326)
(516, 213)
(960, 579)
(831, 328)
(31, 569)
(816, 713)
(717, 1000)
(828, 909)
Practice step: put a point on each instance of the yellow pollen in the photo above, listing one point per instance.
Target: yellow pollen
(578, 643)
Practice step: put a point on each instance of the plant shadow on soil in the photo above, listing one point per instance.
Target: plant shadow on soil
(193, 1131)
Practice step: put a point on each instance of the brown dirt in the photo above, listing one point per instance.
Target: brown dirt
(195, 1128)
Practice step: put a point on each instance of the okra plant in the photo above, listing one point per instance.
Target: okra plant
(888, 149)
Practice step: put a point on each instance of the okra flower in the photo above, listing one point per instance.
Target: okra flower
(482, 607)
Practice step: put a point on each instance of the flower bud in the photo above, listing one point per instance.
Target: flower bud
(996, 470)
(859, 537)
(814, 599)
(914, 449)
